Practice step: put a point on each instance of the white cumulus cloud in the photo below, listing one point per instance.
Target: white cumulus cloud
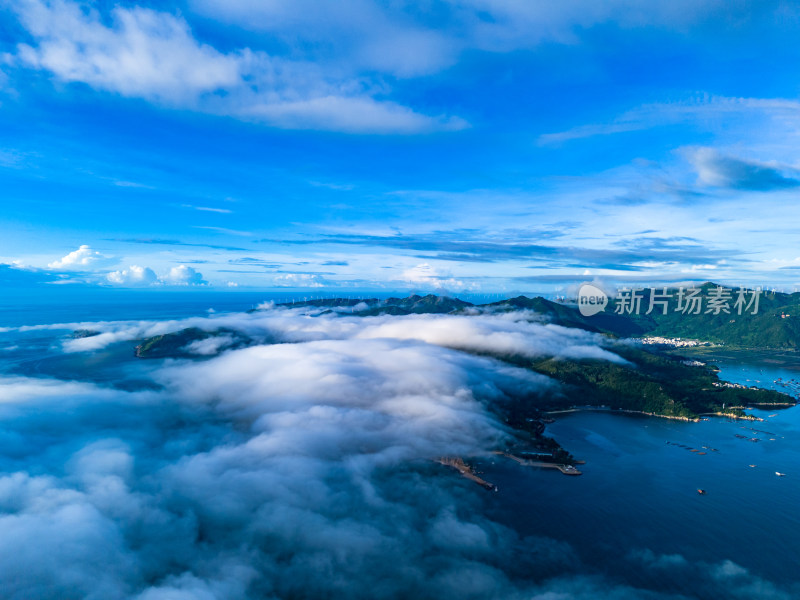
(133, 276)
(84, 258)
(143, 53)
(183, 275)
(427, 276)
(300, 280)
(138, 276)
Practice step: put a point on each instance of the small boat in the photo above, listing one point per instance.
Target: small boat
(701, 492)
(780, 474)
(751, 466)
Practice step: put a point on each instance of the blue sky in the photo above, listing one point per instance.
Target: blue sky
(474, 146)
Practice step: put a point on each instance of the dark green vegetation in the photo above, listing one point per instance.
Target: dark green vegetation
(524, 416)
(765, 357)
(654, 381)
(84, 333)
(775, 325)
(651, 380)
(651, 383)
(568, 316)
(174, 345)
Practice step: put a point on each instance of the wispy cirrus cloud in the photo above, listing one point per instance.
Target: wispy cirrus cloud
(224, 211)
(477, 246)
(17, 275)
(253, 261)
(225, 230)
(132, 184)
(332, 67)
(171, 242)
(709, 111)
(362, 35)
(716, 169)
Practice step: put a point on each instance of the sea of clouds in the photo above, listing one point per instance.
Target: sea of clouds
(299, 467)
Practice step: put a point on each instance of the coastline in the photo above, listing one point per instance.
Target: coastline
(650, 414)
(565, 469)
(466, 471)
(618, 410)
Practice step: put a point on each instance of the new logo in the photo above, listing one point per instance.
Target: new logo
(591, 300)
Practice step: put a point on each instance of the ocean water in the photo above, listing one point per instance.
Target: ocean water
(67, 306)
(638, 495)
(22, 307)
(639, 488)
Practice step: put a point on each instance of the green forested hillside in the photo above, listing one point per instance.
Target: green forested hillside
(775, 325)
(652, 383)
(174, 345)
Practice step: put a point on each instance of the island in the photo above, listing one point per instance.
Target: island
(657, 377)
